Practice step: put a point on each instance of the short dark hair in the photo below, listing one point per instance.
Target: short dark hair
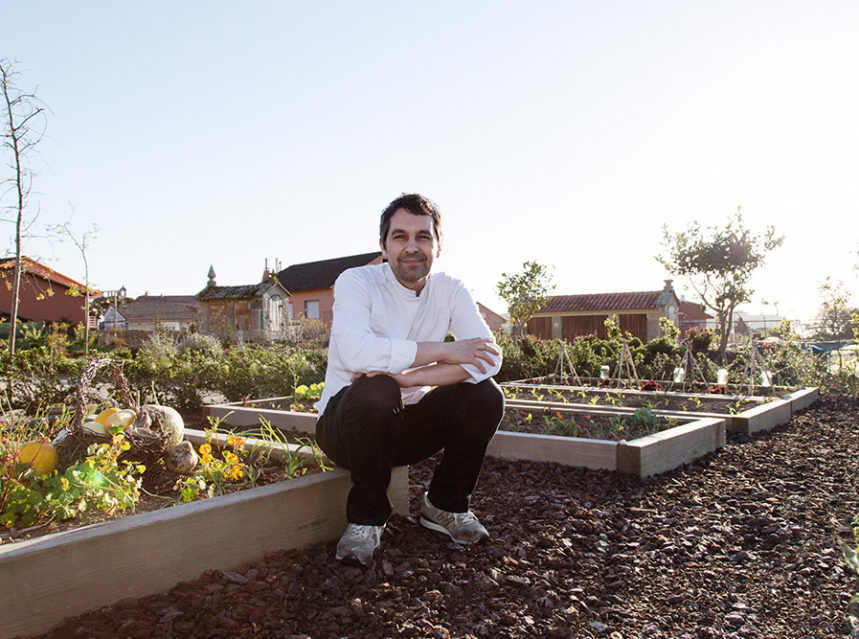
(416, 205)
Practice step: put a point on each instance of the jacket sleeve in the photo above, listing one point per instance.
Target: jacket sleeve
(465, 323)
(358, 348)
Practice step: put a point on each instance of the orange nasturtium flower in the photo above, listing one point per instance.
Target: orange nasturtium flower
(235, 472)
(206, 454)
(558, 413)
(236, 442)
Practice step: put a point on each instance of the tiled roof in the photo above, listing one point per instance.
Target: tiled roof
(32, 266)
(313, 276)
(162, 306)
(603, 302)
(240, 292)
(690, 311)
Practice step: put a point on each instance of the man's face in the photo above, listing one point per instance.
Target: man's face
(410, 247)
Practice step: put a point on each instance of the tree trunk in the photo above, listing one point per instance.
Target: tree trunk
(724, 330)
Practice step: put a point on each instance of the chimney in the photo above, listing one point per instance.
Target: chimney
(668, 286)
(266, 274)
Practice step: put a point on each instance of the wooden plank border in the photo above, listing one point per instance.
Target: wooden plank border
(248, 416)
(669, 449)
(49, 578)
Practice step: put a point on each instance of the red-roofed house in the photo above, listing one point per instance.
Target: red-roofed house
(692, 316)
(311, 285)
(571, 316)
(45, 295)
(493, 320)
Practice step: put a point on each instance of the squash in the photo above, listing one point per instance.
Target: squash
(163, 420)
(101, 418)
(120, 420)
(41, 457)
(95, 427)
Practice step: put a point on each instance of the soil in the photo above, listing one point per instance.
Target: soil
(586, 425)
(653, 399)
(745, 542)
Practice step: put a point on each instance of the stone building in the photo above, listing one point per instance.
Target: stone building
(247, 312)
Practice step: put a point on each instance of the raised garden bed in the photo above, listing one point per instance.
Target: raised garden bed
(689, 437)
(49, 578)
(742, 413)
(678, 440)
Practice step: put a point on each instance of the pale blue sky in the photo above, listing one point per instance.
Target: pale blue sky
(198, 133)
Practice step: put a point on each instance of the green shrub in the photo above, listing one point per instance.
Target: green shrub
(207, 345)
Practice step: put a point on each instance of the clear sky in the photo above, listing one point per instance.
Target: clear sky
(204, 132)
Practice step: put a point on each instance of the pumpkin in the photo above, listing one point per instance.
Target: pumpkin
(41, 456)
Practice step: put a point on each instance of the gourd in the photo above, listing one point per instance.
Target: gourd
(120, 420)
(41, 456)
(104, 415)
(162, 421)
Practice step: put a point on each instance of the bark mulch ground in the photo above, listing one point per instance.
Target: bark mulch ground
(745, 542)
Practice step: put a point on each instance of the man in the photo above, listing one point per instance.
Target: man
(396, 392)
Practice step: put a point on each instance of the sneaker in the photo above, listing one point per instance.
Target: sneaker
(358, 543)
(463, 528)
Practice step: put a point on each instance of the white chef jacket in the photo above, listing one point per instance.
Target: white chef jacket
(378, 323)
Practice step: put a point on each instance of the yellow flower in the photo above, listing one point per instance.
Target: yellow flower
(230, 457)
(236, 442)
(206, 454)
(235, 472)
(64, 483)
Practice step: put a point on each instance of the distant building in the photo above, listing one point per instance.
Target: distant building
(45, 295)
(252, 312)
(571, 316)
(152, 312)
(311, 285)
(493, 320)
(753, 324)
(693, 316)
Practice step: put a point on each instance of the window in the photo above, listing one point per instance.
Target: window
(311, 309)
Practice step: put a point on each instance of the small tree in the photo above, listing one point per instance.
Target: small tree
(525, 292)
(718, 262)
(23, 128)
(834, 321)
(81, 243)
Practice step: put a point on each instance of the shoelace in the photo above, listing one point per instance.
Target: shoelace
(462, 518)
(363, 532)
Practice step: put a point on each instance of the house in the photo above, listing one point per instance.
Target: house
(571, 316)
(153, 312)
(693, 316)
(44, 295)
(493, 320)
(252, 312)
(311, 285)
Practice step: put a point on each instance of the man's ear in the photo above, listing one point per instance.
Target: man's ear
(384, 252)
